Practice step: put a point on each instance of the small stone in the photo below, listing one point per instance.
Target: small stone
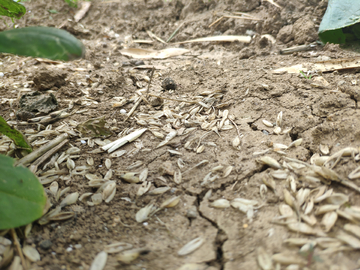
(45, 244)
(139, 63)
(166, 168)
(192, 212)
(169, 84)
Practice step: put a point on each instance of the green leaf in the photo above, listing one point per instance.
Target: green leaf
(15, 135)
(45, 42)
(22, 197)
(11, 9)
(340, 23)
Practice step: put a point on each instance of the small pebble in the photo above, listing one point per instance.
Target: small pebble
(139, 63)
(45, 244)
(122, 111)
(83, 142)
(265, 132)
(1, 74)
(169, 84)
(192, 212)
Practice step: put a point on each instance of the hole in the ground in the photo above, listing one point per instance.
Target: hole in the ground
(253, 127)
(294, 136)
(263, 168)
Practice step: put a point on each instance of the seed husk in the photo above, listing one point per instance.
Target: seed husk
(145, 186)
(348, 239)
(302, 195)
(117, 247)
(144, 213)
(31, 253)
(90, 161)
(171, 202)
(191, 246)
(109, 191)
(279, 119)
(324, 149)
(129, 256)
(54, 187)
(96, 198)
(135, 165)
(177, 177)
(236, 142)
(108, 175)
(337, 198)
(227, 171)
(297, 241)
(85, 196)
(311, 220)
(295, 143)
(269, 182)
(279, 174)
(264, 259)
(143, 175)
(99, 261)
(353, 229)
(287, 258)
(220, 203)
(277, 130)
(107, 163)
(267, 123)
(70, 164)
(328, 221)
(158, 191)
(69, 199)
(326, 208)
(263, 191)
(118, 153)
(327, 242)
(62, 216)
(302, 228)
(130, 177)
(266, 160)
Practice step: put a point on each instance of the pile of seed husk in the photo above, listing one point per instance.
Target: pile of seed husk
(319, 217)
(202, 113)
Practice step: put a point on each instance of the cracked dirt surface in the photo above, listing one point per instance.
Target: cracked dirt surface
(242, 73)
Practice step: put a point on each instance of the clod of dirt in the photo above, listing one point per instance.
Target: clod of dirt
(166, 168)
(169, 84)
(47, 79)
(304, 30)
(285, 34)
(193, 6)
(35, 102)
(246, 53)
(155, 101)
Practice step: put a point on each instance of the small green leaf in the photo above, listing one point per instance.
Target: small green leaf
(22, 197)
(15, 135)
(45, 42)
(11, 9)
(53, 11)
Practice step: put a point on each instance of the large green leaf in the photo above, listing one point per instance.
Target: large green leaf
(22, 197)
(15, 135)
(11, 9)
(340, 23)
(39, 41)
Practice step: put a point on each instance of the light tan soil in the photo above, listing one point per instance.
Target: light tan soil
(243, 72)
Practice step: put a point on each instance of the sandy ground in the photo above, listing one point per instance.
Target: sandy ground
(236, 82)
